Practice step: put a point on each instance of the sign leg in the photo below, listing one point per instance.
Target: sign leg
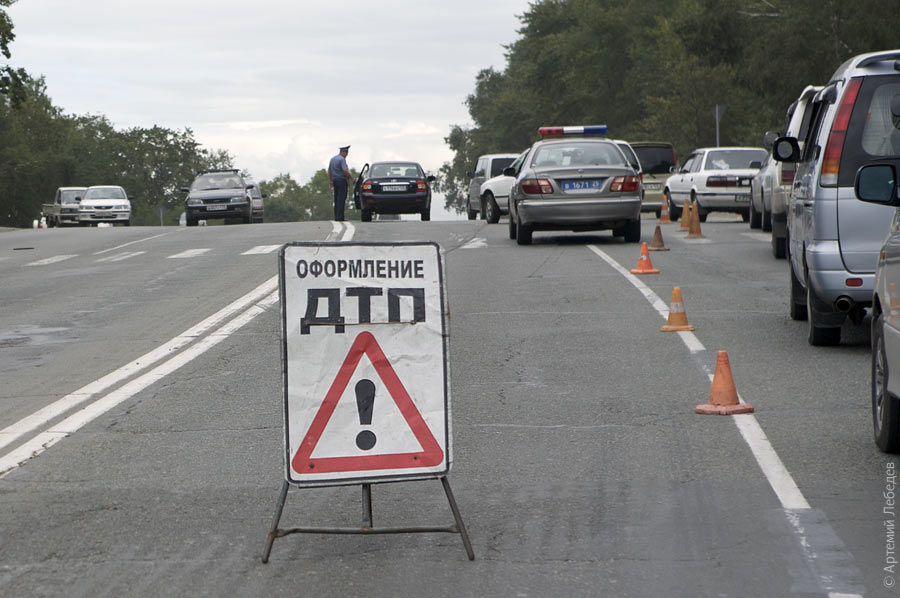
(367, 505)
(459, 522)
(273, 532)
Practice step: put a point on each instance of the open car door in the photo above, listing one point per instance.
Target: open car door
(358, 185)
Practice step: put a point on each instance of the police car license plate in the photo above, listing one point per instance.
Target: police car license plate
(216, 208)
(581, 184)
(393, 187)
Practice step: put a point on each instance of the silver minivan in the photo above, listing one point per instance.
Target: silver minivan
(833, 240)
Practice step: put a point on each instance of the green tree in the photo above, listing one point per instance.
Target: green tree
(11, 79)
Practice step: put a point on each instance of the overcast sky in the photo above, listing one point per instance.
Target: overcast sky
(280, 84)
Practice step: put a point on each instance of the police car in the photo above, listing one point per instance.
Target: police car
(574, 180)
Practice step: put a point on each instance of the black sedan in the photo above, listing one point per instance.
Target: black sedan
(393, 188)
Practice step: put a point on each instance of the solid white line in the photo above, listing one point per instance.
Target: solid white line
(191, 253)
(89, 413)
(60, 406)
(772, 467)
(51, 260)
(131, 243)
(764, 237)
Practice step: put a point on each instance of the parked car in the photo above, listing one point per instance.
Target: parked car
(717, 178)
(495, 192)
(257, 209)
(833, 241)
(486, 167)
(772, 186)
(657, 160)
(219, 194)
(393, 188)
(877, 184)
(632, 159)
(64, 209)
(573, 180)
(104, 203)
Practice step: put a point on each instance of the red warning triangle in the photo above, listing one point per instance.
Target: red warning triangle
(431, 454)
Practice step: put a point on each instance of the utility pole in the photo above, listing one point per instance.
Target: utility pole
(718, 111)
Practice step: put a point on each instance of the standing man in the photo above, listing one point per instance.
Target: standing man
(338, 179)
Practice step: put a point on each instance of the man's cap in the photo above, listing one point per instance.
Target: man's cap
(345, 148)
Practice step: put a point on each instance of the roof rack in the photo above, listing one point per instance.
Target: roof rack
(880, 57)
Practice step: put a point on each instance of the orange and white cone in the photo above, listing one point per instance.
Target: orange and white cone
(723, 396)
(677, 318)
(657, 243)
(694, 230)
(664, 211)
(685, 217)
(644, 265)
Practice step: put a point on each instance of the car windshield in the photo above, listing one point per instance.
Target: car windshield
(578, 153)
(383, 170)
(69, 195)
(731, 159)
(209, 182)
(498, 164)
(105, 193)
(629, 154)
(655, 159)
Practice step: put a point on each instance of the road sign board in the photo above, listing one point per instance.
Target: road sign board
(366, 389)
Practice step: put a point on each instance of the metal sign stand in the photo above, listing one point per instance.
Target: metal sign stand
(367, 526)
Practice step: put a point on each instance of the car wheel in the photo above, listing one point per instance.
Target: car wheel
(127, 223)
(797, 300)
(426, 214)
(512, 227)
(819, 336)
(366, 215)
(674, 211)
(885, 410)
(766, 220)
(632, 232)
(472, 214)
(188, 221)
(491, 210)
(778, 247)
(703, 214)
(745, 216)
(523, 233)
(755, 217)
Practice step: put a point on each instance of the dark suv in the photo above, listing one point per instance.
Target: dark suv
(220, 194)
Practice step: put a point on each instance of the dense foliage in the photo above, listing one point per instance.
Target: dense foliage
(654, 70)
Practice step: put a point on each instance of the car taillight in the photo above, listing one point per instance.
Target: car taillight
(787, 173)
(624, 183)
(367, 186)
(537, 186)
(420, 186)
(722, 181)
(831, 163)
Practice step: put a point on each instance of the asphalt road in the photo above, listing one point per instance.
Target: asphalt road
(580, 468)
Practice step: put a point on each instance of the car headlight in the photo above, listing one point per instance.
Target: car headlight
(195, 202)
(238, 199)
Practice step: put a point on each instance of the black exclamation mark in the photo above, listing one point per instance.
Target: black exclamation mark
(365, 401)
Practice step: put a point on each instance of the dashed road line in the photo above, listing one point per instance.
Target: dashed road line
(476, 243)
(260, 249)
(130, 243)
(191, 253)
(120, 256)
(764, 237)
(51, 260)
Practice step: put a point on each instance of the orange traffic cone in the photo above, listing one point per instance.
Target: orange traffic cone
(644, 265)
(677, 318)
(657, 243)
(723, 396)
(664, 211)
(694, 231)
(685, 217)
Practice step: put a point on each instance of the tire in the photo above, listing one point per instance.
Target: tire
(766, 220)
(523, 233)
(755, 217)
(472, 214)
(778, 247)
(512, 227)
(885, 408)
(797, 299)
(632, 232)
(745, 216)
(426, 214)
(366, 215)
(819, 336)
(703, 215)
(248, 218)
(127, 223)
(674, 212)
(188, 221)
(491, 209)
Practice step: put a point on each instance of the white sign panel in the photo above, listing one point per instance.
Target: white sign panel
(366, 387)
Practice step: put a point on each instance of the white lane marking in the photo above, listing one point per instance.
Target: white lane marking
(476, 243)
(191, 253)
(120, 256)
(60, 406)
(764, 237)
(349, 231)
(89, 413)
(130, 243)
(260, 249)
(697, 241)
(51, 260)
(688, 338)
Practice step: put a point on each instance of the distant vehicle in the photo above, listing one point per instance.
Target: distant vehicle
(717, 178)
(833, 240)
(573, 180)
(257, 208)
(393, 188)
(657, 160)
(64, 209)
(495, 193)
(636, 164)
(104, 203)
(486, 167)
(219, 194)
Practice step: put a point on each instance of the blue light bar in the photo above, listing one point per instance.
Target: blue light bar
(587, 131)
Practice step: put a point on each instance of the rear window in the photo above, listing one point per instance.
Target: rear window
(732, 159)
(874, 132)
(498, 164)
(655, 159)
(578, 153)
(382, 170)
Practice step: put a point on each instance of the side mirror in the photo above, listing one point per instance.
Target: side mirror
(430, 178)
(185, 190)
(756, 164)
(130, 197)
(770, 137)
(509, 171)
(78, 199)
(877, 183)
(251, 186)
(786, 149)
(672, 170)
(471, 174)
